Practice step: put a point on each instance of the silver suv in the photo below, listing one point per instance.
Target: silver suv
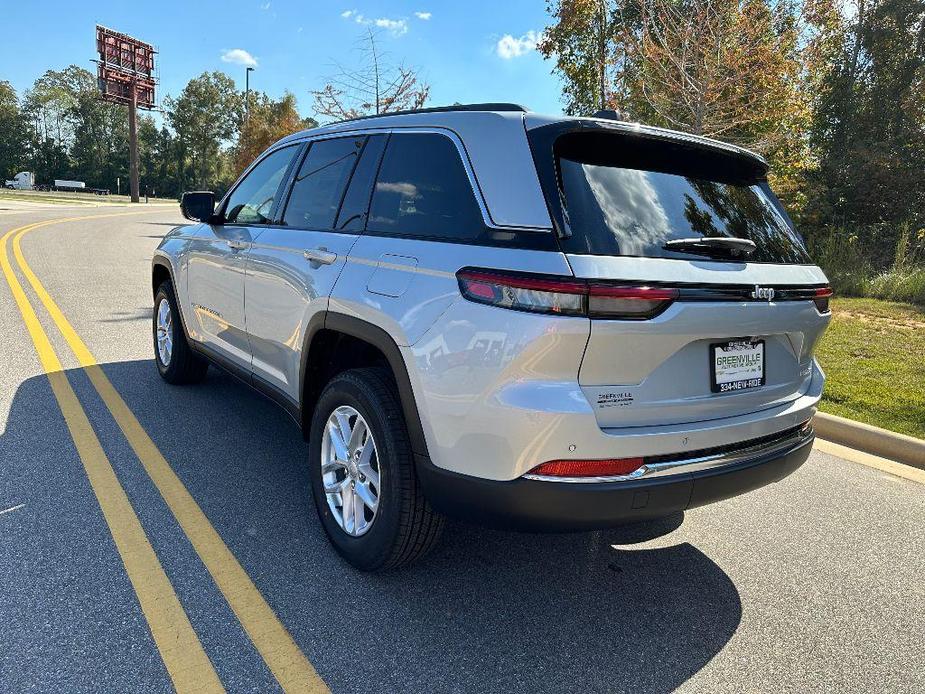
(538, 323)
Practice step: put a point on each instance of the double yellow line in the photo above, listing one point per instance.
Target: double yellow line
(187, 663)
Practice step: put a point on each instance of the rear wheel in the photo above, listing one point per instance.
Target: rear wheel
(362, 474)
(175, 359)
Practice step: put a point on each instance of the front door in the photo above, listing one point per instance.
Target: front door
(218, 260)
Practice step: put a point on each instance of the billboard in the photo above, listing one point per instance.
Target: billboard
(125, 65)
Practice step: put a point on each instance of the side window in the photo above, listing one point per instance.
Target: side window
(320, 184)
(423, 190)
(355, 207)
(252, 201)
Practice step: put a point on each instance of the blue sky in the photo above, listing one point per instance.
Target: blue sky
(467, 51)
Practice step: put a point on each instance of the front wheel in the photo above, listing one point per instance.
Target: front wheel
(176, 361)
(362, 474)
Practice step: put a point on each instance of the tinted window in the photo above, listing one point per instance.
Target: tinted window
(320, 183)
(627, 206)
(252, 201)
(356, 202)
(423, 190)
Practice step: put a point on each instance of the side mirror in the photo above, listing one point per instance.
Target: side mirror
(198, 206)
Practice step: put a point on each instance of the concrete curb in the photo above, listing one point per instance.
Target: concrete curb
(864, 437)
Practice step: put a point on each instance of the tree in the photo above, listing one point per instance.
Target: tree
(13, 136)
(151, 157)
(727, 69)
(372, 88)
(869, 127)
(205, 116)
(267, 121)
(590, 56)
(160, 161)
(73, 133)
(99, 151)
(720, 68)
(51, 99)
(47, 106)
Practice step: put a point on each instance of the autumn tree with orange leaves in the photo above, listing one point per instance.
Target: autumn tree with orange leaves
(720, 68)
(266, 122)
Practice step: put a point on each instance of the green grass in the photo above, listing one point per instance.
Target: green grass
(873, 355)
(33, 197)
(61, 198)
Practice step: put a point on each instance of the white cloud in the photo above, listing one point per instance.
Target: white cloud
(239, 56)
(265, 6)
(423, 15)
(408, 190)
(513, 47)
(397, 27)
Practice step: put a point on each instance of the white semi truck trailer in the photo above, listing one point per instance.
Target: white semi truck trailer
(64, 184)
(25, 180)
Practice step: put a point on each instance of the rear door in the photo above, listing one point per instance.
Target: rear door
(293, 265)
(724, 331)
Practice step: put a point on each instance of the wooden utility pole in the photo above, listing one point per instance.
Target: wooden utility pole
(133, 145)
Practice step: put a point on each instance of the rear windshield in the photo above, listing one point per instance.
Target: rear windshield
(628, 196)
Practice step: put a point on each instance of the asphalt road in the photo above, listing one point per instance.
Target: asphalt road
(815, 583)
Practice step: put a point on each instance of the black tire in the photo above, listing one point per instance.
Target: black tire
(185, 366)
(405, 527)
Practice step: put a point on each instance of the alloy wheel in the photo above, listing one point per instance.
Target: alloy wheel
(164, 332)
(350, 470)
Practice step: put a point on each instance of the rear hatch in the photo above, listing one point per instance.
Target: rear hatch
(720, 307)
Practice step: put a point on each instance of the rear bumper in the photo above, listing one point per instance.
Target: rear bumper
(554, 506)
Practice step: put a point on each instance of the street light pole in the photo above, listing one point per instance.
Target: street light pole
(247, 92)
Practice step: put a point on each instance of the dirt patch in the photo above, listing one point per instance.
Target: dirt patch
(868, 318)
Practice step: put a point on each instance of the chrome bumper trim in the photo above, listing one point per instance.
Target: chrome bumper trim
(705, 462)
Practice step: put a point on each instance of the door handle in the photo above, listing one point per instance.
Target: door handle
(321, 256)
(236, 245)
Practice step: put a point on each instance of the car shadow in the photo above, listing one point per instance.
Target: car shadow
(487, 610)
(141, 314)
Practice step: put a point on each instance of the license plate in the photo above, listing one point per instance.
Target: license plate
(736, 365)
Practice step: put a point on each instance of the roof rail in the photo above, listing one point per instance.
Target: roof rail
(490, 106)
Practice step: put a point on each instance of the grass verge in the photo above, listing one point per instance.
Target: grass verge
(62, 198)
(873, 355)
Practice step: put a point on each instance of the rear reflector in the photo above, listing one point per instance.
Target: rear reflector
(588, 468)
(821, 299)
(564, 296)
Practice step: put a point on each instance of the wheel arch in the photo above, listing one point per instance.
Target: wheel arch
(329, 326)
(160, 272)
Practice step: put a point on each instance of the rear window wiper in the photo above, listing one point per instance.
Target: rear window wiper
(712, 245)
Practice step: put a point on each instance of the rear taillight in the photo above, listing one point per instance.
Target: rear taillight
(821, 299)
(564, 296)
(588, 468)
(628, 302)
